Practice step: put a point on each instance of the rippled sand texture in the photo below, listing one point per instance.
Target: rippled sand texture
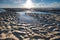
(48, 28)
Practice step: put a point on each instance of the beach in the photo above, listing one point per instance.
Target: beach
(29, 26)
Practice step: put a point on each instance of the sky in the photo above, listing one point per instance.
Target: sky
(35, 3)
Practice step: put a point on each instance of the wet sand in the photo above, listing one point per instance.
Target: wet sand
(45, 27)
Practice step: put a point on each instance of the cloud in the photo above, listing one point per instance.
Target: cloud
(10, 6)
(12, 1)
(39, 5)
(55, 4)
(51, 5)
(18, 1)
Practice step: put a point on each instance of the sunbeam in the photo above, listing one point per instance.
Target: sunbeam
(28, 4)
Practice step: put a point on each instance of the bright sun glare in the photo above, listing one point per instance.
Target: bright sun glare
(28, 4)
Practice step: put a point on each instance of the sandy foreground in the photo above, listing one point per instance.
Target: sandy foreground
(48, 27)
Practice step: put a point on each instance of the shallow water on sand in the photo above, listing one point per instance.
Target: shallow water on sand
(25, 18)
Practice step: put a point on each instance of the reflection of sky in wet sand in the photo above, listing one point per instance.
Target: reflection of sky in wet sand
(26, 18)
(23, 17)
(2, 10)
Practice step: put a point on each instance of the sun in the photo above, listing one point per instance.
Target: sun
(28, 4)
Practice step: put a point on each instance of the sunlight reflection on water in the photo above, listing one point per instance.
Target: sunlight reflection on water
(29, 19)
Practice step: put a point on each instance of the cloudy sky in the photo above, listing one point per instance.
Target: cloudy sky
(35, 3)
